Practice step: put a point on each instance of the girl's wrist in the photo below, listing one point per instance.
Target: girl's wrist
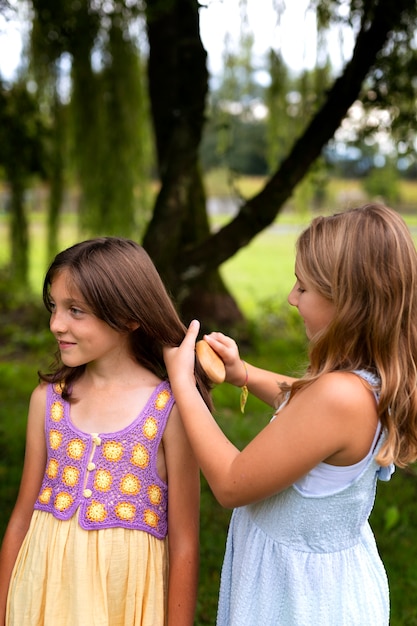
(246, 375)
(238, 374)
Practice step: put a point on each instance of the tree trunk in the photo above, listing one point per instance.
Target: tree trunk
(178, 83)
(18, 232)
(188, 262)
(261, 210)
(56, 176)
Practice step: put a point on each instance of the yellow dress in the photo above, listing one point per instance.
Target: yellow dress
(67, 576)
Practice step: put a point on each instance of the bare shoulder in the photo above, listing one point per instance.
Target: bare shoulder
(39, 393)
(344, 390)
(349, 409)
(37, 404)
(38, 397)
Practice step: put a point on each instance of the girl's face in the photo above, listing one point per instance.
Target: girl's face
(82, 337)
(316, 311)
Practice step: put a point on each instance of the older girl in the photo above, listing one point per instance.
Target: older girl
(300, 550)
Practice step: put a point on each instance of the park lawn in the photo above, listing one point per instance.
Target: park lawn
(263, 271)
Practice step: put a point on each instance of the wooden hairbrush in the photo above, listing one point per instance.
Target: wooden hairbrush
(210, 362)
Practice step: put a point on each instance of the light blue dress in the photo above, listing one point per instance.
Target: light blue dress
(303, 560)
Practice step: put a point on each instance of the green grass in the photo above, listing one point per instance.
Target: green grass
(263, 270)
(68, 234)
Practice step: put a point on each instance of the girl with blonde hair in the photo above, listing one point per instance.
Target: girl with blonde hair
(300, 549)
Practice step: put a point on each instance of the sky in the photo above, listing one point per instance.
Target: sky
(295, 37)
(10, 47)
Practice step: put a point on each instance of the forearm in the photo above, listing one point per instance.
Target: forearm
(182, 588)
(12, 541)
(227, 471)
(261, 383)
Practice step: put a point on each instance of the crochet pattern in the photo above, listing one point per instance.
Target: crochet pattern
(111, 477)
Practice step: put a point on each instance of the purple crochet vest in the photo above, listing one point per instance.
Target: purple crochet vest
(111, 478)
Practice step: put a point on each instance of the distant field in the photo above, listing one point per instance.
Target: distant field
(262, 271)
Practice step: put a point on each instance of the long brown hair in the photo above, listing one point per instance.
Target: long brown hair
(364, 261)
(121, 285)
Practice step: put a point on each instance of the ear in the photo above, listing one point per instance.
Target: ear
(133, 325)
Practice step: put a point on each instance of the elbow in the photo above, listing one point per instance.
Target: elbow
(232, 487)
(228, 497)
(225, 502)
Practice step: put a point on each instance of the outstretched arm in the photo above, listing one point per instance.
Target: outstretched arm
(332, 420)
(261, 383)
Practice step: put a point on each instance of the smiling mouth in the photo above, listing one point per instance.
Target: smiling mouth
(64, 344)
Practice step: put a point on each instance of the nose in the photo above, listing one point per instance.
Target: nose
(57, 323)
(292, 296)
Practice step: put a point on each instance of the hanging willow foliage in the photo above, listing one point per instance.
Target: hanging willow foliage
(109, 126)
(111, 130)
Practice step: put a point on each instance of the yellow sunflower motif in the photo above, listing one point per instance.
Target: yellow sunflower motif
(151, 518)
(63, 501)
(55, 439)
(150, 428)
(58, 388)
(52, 469)
(70, 476)
(75, 448)
(45, 496)
(125, 511)
(154, 494)
(130, 485)
(57, 411)
(140, 456)
(96, 512)
(103, 480)
(161, 399)
(113, 451)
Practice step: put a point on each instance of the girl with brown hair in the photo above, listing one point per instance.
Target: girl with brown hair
(105, 527)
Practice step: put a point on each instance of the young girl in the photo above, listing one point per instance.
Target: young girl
(109, 474)
(300, 550)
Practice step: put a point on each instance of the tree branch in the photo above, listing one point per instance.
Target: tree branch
(261, 210)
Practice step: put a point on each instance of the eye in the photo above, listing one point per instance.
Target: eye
(75, 311)
(299, 286)
(51, 306)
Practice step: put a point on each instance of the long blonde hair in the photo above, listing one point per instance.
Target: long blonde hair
(365, 262)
